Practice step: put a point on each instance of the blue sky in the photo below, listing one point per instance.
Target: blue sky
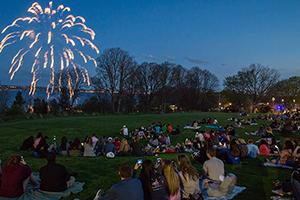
(219, 35)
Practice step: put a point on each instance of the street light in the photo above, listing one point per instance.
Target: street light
(273, 99)
(282, 100)
(230, 104)
(294, 100)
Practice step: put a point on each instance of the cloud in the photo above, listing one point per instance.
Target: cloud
(196, 61)
(168, 58)
(150, 57)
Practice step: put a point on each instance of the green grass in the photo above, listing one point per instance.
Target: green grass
(102, 173)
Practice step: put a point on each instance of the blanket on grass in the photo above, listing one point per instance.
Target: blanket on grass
(33, 193)
(268, 164)
(237, 190)
(192, 127)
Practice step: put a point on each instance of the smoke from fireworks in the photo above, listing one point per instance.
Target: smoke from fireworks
(54, 38)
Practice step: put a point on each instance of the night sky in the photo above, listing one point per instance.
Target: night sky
(221, 36)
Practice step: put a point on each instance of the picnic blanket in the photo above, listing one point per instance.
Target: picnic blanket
(192, 127)
(213, 126)
(268, 164)
(237, 190)
(32, 193)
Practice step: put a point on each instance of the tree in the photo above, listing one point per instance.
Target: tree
(114, 67)
(4, 97)
(177, 85)
(201, 86)
(54, 107)
(253, 82)
(95, 105)
(287, 89)
(64, 99)
(70, 82)
(40, 106)
(18, 105)
(148, 84)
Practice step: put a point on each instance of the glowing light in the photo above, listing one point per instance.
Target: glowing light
(50, 33)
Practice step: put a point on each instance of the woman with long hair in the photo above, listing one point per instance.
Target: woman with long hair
(15, 176)
(154, 184)
(173, 181)
(189, 178)
(88, 148)
(124, 148)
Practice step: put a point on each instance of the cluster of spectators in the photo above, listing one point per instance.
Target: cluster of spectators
(162, 179)
(16, 174)
(171, 180)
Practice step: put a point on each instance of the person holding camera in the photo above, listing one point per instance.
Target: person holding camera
(153, 182)
(127, 188)
(15, 176)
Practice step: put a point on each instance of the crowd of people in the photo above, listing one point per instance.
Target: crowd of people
(171, 180)
(212, 145)
(16, 174)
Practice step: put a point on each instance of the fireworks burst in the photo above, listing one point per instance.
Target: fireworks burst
(54, 38)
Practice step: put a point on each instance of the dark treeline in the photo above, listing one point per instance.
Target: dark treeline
(125, 86)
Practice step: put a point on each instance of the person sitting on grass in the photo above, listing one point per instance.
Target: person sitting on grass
(88, 148)
(55, 177)
(64, 147)
(214, 167)
(109, 148)
(128, 188)
(137, 149)
(264, 149)
(173, 181)
(253, 150)
(296, 156)
(189, 178)
(117, 143)
(154, 183)
(286, 155)
(15, 176)
(76, 147)
(124, 148)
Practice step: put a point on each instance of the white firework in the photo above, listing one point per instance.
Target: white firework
(54, 39)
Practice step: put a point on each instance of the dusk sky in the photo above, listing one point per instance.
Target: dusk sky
(221, 36)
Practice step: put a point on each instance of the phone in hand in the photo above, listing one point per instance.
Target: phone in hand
(140, 162)
(22, 160)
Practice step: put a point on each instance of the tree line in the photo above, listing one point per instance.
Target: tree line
(125, 86)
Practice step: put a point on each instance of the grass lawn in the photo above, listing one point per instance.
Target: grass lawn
(102, 173)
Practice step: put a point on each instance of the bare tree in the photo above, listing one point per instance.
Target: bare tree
(70, 82)
(114, 68)
(200, 88)
(254, 81)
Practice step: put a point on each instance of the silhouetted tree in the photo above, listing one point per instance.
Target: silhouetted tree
(18, 105)
(114, 68)
(40, 106)
(253, 82)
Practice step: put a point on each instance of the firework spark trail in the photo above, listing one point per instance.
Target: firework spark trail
(49, 33)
